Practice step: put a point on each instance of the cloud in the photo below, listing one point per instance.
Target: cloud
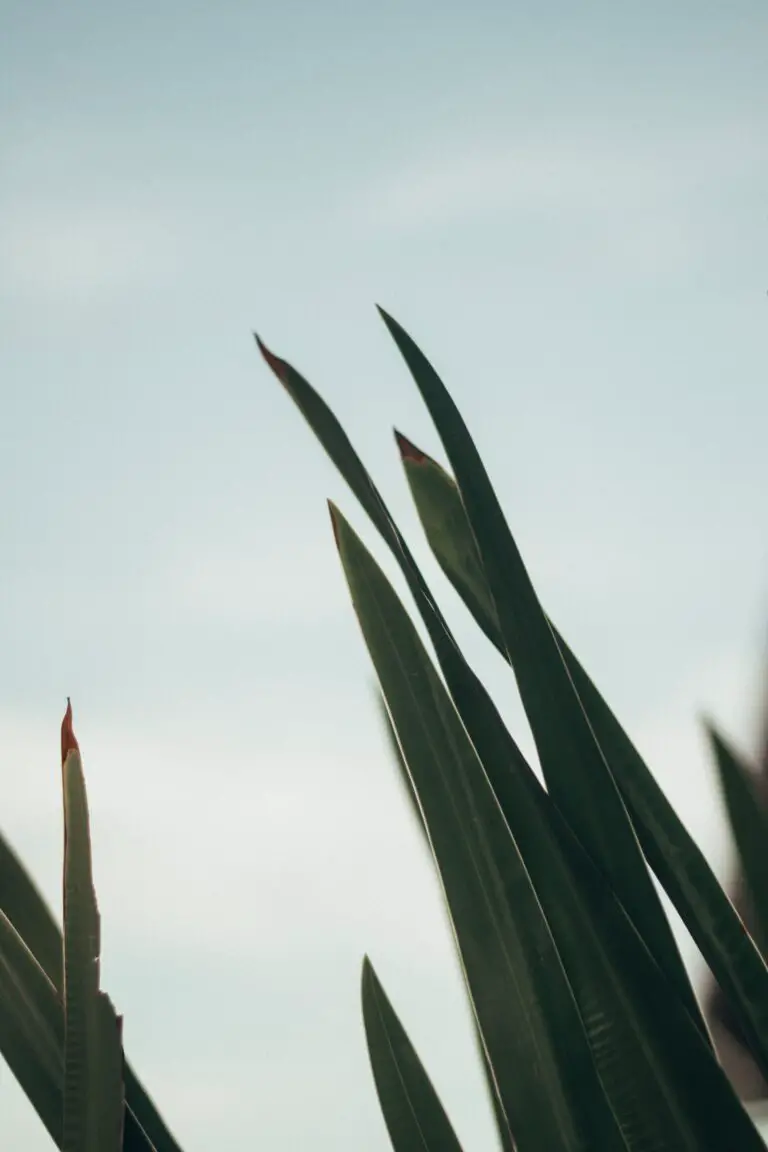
(81, 252)
(577, 187)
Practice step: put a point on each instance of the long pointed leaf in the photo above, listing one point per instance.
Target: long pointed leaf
(93, 1064)
(502, 1126)
(415, 1118)
(574, 767)
(27, 910)
(32, 1037)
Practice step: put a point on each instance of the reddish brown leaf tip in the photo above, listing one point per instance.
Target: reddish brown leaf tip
(68, 739)
(278, 366)
(409, 451)
(334, 513)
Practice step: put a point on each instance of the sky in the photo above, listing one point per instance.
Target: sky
(567, 206)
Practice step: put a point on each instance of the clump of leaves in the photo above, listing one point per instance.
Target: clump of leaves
(590, 1030)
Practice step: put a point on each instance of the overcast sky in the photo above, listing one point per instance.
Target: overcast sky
(567, 206)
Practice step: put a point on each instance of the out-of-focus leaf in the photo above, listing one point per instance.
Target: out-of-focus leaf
(93, 1080)
(577, 775)
(26, 909)
(28, 1044)
(749, 824)
(668, 846)
(415, 1118)
(32, 1037)
(543, 1066)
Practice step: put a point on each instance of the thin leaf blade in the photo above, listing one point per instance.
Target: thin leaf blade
(415, 1118)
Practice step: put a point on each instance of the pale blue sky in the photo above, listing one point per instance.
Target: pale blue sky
(567, 205)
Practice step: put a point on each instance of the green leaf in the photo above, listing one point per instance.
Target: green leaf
(93, 1083)
(675, 858)
(749, 823)
(28, 1044)
(26, 909)
(415, 1118)
(402, 771)
(573, 764)
(32, 1037)
(531, 1028)
(413, 801)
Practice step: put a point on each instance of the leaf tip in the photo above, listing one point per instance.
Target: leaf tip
(335, 519)
(408, 450)
(278, 366)
(68, 739)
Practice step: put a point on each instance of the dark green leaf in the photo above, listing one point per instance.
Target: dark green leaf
(23, 904)
(501, 1123)
(415, 1118)
(93, 1080)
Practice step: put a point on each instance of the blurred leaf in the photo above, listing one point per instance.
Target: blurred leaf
(669, 848)
(415, 1118)
(28, 1044)
(528, 1019)
(32, 1037)
(93, 1081)
(26, 909)
(573, 764)
(749, 824)
(32, 1018)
